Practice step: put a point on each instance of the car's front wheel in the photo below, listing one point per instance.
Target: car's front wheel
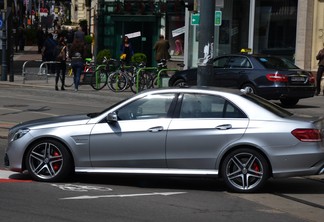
(244, 170)
(48, 160)
(289, 102)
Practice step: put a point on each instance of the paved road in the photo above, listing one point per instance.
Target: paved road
(121, 198)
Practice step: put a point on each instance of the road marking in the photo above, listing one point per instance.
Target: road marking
(122, 195)
(81, 188)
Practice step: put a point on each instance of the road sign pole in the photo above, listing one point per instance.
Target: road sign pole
(206, 43)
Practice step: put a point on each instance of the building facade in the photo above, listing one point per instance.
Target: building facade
(290, 28)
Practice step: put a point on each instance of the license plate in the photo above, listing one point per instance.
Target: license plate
(298, 79)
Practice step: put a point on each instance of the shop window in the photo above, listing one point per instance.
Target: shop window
(275, 27)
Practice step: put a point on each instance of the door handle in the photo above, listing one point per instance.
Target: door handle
(155, 129)
(224, 127)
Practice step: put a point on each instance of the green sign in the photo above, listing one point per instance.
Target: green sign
(195, 18)
(218, 18)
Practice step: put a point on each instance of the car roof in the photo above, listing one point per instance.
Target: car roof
(198, 89)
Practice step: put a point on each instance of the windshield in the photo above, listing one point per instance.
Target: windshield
(276, 62)
(275, 109)
(92, 115)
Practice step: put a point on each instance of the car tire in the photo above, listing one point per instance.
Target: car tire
(249, 88)
(289, 102)
(244, 170)
(180, 83)
(48, 161)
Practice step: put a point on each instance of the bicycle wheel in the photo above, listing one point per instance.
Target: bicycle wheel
(99, 79)
(68, 77)
(142, 83)
(117, 81)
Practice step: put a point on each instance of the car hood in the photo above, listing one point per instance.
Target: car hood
(53, 121)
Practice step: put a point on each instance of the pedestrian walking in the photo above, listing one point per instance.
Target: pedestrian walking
(60, 54)
(79, 35)
(161, 49)
(48, 51)
(320, 70)
(126, 50)
(21, 37)
(76, 54)
(40, 35)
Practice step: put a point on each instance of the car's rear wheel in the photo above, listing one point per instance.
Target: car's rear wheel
(180, 83)
(48, 160)
(245, 170)
(289, 102)
(249, 88)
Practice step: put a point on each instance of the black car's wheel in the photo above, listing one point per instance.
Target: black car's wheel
(180, 83)
(49, 161)
(249, 88)
(289, 102)
(245, 170)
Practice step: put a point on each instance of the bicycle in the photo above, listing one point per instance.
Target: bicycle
(125, 77)
(95, 76)
(69, 76)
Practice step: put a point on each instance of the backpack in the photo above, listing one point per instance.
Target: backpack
(60, 53)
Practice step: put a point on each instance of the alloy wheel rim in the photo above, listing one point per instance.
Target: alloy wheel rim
(244, 171)
(46, 160)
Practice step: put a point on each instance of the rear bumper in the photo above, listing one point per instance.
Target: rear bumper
(287, 92)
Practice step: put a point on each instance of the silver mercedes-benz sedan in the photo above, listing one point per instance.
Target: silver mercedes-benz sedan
(236, 136)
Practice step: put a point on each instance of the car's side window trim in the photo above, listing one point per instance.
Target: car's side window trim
(224, 113)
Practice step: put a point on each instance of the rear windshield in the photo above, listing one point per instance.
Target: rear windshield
(276, 63)
(275, 109)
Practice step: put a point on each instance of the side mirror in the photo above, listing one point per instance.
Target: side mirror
(112, 117)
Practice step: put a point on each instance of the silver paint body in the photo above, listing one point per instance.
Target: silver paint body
(183, 146)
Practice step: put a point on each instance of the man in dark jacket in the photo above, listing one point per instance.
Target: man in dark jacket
(161, 49)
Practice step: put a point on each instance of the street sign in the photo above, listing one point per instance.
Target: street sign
(195, 18)
(218, 18)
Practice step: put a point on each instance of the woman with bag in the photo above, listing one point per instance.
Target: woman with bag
(76, 53)
(60, 52)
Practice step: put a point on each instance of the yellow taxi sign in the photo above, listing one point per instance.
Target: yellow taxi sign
(246, 50)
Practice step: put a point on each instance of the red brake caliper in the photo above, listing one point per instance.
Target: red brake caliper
(56, 166)
(256, 167)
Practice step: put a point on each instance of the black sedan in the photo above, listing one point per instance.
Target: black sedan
(271, 77)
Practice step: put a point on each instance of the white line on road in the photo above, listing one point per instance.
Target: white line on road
(122, 195)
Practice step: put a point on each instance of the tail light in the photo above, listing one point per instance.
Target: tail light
(307, 135)
(276, 77)
(311, 78)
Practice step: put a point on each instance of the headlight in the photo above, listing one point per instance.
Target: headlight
(20, 133)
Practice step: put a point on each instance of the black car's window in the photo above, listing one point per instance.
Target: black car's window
(149, 107)
(220, 62)
(208, 106)
(276, 63)
(239, 62)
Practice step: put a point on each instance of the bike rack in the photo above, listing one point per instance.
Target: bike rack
(139, 72)
(159, 74)
(36, 73)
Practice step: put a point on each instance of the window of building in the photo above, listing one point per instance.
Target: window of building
(275, 27)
